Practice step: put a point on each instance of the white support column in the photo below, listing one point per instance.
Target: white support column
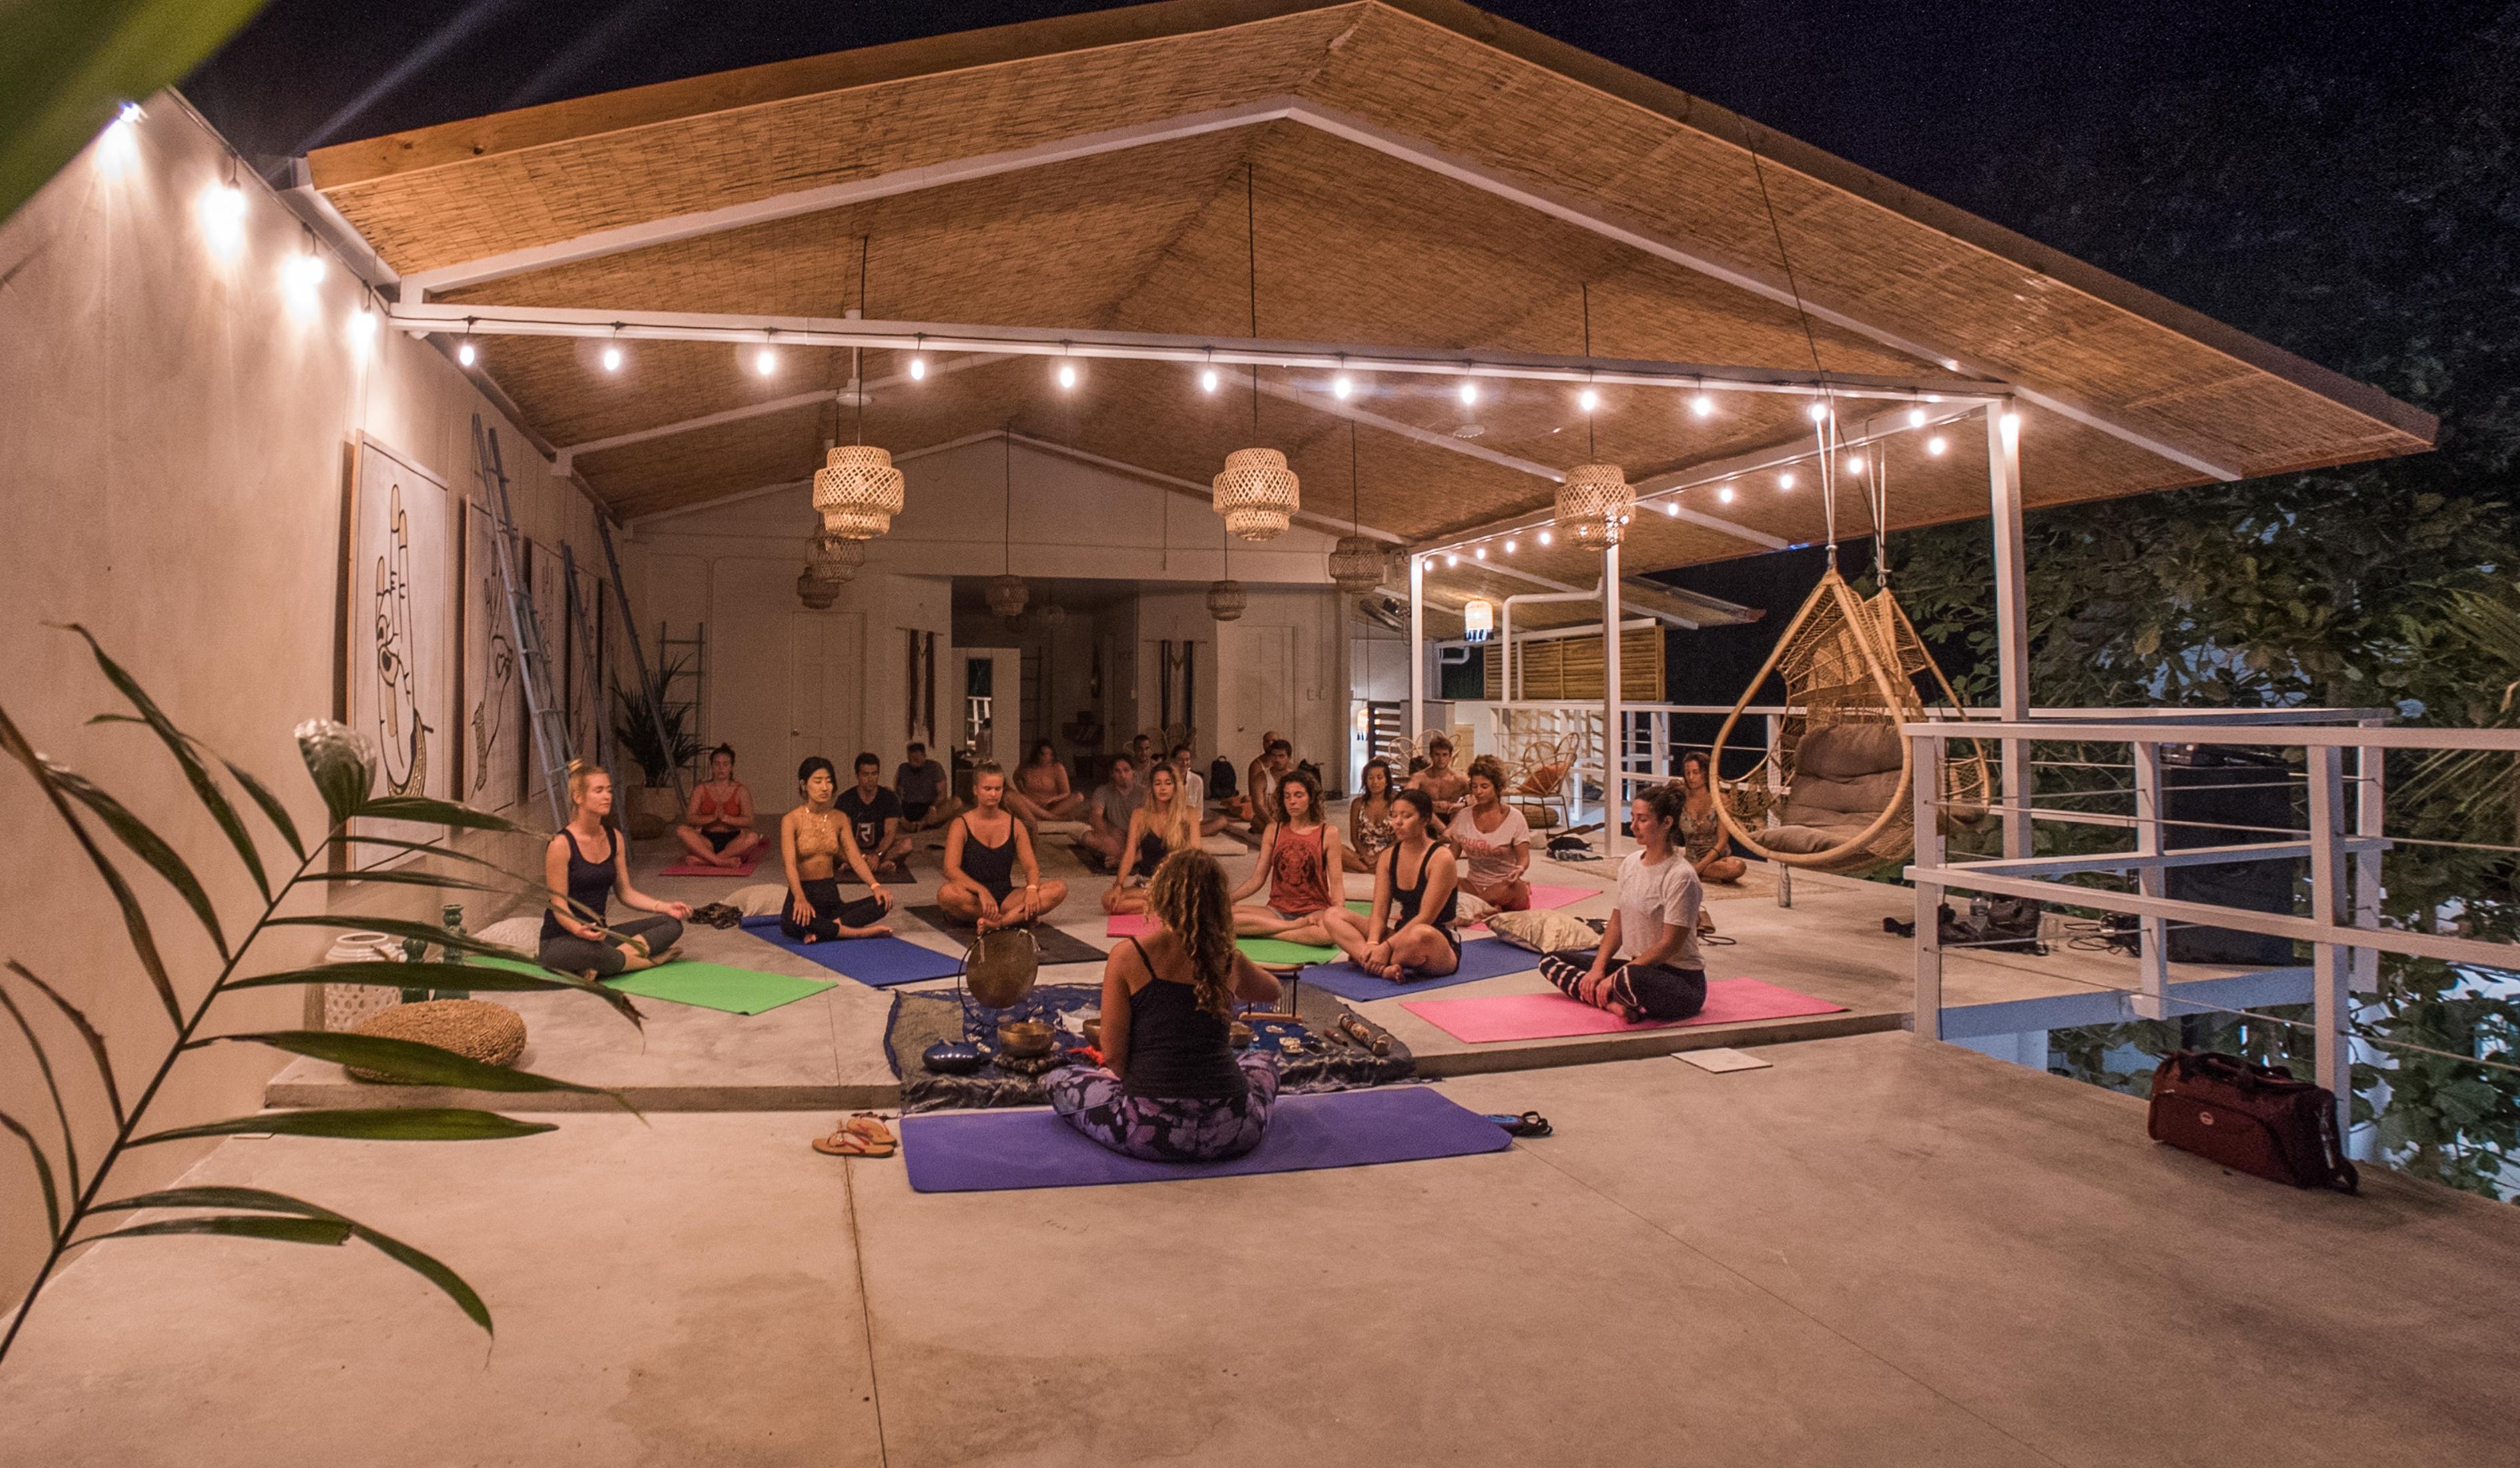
(2152, 934)
(1417, 649)
(1926, 753)
(2371, 812)
(2331, 1005)
(2012, 617)
(1614, 759)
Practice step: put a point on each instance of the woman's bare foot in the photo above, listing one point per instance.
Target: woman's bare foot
(808, 938)
(878, 930)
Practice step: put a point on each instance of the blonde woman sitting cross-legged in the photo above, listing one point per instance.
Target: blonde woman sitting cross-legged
(984, 848)
(1408, 933)
(584, 865)
(1300, 859)
(1166, 823)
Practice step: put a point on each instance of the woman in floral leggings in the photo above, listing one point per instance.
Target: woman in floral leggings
(1170, 1088)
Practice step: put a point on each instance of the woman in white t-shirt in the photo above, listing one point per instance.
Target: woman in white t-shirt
(1493, 840)
(1654, 927)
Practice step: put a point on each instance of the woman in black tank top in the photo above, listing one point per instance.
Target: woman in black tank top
(1170, 1088)
(983, 852)
(584, 865)
(1408, 934)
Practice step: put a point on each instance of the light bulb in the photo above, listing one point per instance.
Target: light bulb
(1951, 364)
(127, 113)
(1452, 560)
(1725, 495)
(1819, 413)
(1546, 537)
(299, 276)
(1935, 445)
(1786, 480)
(918, 368)
(765, 361)
(1915, 417)
(1066, 374)
(612, 359)
(1854, 465)
(223, 216)
(1341, 387)
(1207, 380)
(120, 146)
(1508, 546)
(2013, 425)
(1702, 405)
(465, 354)
(363, 330)
(1588, 400)
(1469, 394)
(1481, 552)
(1671, 507)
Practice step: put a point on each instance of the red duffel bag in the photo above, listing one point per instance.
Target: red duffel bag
(2251, 1119)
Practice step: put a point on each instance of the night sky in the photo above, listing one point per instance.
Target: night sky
(1932, 93)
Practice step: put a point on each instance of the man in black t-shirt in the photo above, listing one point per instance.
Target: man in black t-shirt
(874, 816)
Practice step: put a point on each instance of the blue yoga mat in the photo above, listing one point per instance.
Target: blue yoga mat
(876, 962)
(994, 1151)
(1481, 959)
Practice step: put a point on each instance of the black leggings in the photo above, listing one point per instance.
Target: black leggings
(831, 913)
(573, 955)
(1652, 990)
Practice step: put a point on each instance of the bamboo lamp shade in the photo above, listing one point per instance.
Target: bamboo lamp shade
(1008, 596)
(1257, 494)
(1358, 563)
(817, 593)
(1226, 600)
(858, 491)
(1594, 503)
(836, 557)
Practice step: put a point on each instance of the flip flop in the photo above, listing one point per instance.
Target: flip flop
(1528, 1123)
(861, 1136)
(868, 1124)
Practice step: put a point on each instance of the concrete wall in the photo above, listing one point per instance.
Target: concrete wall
(172, 463)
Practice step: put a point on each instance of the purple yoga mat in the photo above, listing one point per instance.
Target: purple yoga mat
(1481, 959)
(994, 1151)
(876, 962)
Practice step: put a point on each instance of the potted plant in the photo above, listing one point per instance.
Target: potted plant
(658, 750)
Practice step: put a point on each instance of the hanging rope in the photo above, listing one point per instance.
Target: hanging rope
(1591, 450)
(857, 354)
(1251, 253)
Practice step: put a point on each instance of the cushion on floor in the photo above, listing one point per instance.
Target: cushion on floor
(475, 1028)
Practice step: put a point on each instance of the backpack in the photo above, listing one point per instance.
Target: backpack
(1220, 778)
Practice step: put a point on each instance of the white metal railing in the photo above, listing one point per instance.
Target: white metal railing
(2344, 842)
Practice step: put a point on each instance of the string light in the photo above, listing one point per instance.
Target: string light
(1508, 546)
(1935, 445)
(1469, 394)
(1819, 413)
(222, 208)
(1481, 552)
(613, 350)
(1341, 387)
(1702, 405)
(363, 330)
(1067, 375)
(919, 363)
(1546, 537)
(301, 274)
(120, 146)
(464, 352)
(1786, 480)
(1452, 560)
(765, 361)
(1915, 417)
(1854, 463)
(1725, 495)
(1588, 400)
(2013, 425)
(1671, 507)
(1207, 381)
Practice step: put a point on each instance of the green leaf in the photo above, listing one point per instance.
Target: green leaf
(365, 1124)
(432, 812)
(427, 848)
(205, 788)
(437, 1274)
(44, 1063)
(406, 877)
(482, 977)
(148, 846)
(135, 920)
(69, 63)
(334, 1231)
(407, 1060)
(87, 1031)
(396, 927)
(43, 1171)
(272, 809)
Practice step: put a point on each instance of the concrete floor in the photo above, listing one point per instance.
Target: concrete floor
(828, 1050)
(1879, 1252)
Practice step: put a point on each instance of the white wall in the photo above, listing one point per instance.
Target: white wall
(172, 462)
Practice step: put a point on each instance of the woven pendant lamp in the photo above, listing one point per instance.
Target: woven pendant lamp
(1357, 565)
(1226, 597)
(1007, 593)
(857, 489)
(817, 593)
(829, 566)
(1256, 493)
(1594, 503)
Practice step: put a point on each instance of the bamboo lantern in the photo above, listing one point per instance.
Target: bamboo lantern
(1008, 596)
(858, 491)
(1594, 503)
(1358, 563)
(1226, 600)
(817, 593)
(1257, 494)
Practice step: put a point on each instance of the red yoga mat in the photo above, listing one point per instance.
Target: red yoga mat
(1550, 1016)
(689, 868)
(1544, 898)
(1129, 925)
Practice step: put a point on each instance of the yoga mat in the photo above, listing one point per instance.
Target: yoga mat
(1481, 959)
(876, 962)
(1280, 952)
(1549, 1016)
(993, 1151)
(1544, 898)
(707, 986)
(1129, 925)
(688, 867)
(1056, 947)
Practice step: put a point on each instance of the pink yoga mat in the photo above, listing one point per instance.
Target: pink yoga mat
(1547, 899)
(1549, 1016)
(1128, 925)
(688, 867)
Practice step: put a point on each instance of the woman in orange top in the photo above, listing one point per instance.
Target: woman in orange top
(717, 829)
(1041, 791)
(1300, 858)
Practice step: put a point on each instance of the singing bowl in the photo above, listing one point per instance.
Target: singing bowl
(1025, 1038)
(1239, 1033)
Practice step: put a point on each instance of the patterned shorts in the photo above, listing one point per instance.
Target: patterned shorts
(1163, 1128)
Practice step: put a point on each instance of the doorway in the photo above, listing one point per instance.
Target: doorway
(1257, 687)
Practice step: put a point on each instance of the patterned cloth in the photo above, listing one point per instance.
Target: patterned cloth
(1164, 1129)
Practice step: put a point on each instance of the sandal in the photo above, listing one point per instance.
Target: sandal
(1528, 1123)
(861, 1136)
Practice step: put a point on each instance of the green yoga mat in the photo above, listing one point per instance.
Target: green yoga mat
(1281, 954)
(709, 986)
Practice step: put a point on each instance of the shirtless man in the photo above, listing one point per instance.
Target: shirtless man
(1447, 786)
(1276, 757)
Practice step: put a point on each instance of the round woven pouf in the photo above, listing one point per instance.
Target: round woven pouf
(492, 1033)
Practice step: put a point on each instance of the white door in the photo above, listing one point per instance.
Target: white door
(1257, 683)
(825, 694)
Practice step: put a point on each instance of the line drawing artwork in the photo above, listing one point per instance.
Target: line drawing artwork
(496, 695)
(401, 730)
(401, 664)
